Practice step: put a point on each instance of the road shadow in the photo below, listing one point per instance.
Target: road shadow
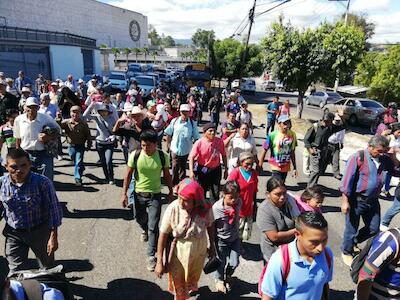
(252, 252)
(123, 288)
(330, 209)
(3, 265)
(341, 295)
(96, 179)
(239, 288)
(300, 186)
(71, 187)
(110, 213)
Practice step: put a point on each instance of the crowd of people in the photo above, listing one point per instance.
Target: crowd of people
(211, 204)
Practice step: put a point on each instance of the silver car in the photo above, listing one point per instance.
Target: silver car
(356, 110)
(322, 98)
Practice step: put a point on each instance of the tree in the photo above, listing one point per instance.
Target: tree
(167, 41)
(103, 46)
(127, 51)
(155, 39)
(137, 51)
(367, 68)
(361, 22)
(344, 46)
(115, 51)
(300, 57)
(145, 52)
(202, 38)
(385, 85)
(226, 60)
(154, 54)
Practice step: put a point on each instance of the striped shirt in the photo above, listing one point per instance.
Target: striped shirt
(382, 267)
(364, 177)
(31, 204)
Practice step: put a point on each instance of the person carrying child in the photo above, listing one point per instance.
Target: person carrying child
(247, 179)
(226, 215)
(310, 200)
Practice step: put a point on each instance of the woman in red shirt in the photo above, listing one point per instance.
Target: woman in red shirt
(205, 161)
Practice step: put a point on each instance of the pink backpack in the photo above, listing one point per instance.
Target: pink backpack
(284, 249)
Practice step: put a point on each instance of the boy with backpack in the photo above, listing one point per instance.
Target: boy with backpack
(307, 257)
(147, 165)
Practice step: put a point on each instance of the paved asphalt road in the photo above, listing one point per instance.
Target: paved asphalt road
(104, 258)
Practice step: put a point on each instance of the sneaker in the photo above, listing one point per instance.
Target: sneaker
(220, 286)
(347, 259)
(387, 194)
(59, 158)
(78, 182)
(111, 182)
(338, 176)
(144, 237)
(383, 227)
(356, 249)
(151, 263)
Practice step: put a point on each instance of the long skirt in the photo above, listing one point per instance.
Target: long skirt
(186, 266)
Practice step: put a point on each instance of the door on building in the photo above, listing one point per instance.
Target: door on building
(88, 61)
(32, 60)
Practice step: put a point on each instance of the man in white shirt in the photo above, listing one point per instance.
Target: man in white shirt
(71, 83)
(335, 143)
(28, 131)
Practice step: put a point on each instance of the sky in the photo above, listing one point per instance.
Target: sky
(181, 18)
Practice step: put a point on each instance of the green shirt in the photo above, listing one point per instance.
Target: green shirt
(149, 170)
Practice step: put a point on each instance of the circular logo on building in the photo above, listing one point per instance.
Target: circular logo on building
(134, 30)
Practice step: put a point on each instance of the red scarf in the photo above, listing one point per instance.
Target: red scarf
(231, 213)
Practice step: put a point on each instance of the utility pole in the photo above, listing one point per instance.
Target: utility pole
(246, 47)
(345, 24)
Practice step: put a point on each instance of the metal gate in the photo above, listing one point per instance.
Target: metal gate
(30, 59)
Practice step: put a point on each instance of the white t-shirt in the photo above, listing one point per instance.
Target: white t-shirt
(28, 131)
(238, 145)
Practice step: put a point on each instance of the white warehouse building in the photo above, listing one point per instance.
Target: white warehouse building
(58, 37)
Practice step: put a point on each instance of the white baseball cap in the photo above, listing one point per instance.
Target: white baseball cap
(25, 89)
(136, 110)
(184, 107)
(31, 101)
(127, 107)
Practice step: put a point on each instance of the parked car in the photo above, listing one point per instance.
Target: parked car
(146, 83)
(322, 98)
(356, 110)
(268, 85)
(248, 86)
(87, 78)
(118, 81)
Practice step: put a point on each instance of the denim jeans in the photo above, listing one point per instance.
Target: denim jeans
(388, 178)
(270, 125)
(42, 158)
(228, 253)
(391, 212)
(370, 213)
(215, 118)
(148, 211)
(131, 196)
(77, 152)
(106, 154)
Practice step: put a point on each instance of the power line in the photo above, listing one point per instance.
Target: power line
(269, 9)
(267, 3)
(240, 24)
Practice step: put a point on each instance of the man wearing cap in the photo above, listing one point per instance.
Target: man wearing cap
(78, 133)
(21, 81)
(7, 101)
(46, 107)
(28, 130)
(181, 133)
(81, 90)
(70, 83)
(233, 105)
(244, 115)
(335, 143)
(10, 88)
(239, 96)
(25, 94)
(54, 94)
(316, 143)
(282, 144)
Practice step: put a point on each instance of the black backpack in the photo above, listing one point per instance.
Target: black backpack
(359, 259)
(31, 280)
(136, 157)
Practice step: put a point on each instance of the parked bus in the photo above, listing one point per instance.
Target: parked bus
(197, 74)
